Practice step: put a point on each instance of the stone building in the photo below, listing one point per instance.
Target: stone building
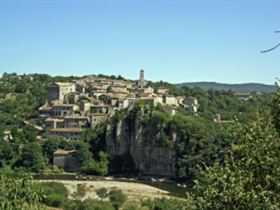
(67, 122)
(51, 123)
(58, 90)
(192, 103)
(102, 109)
(66, 159)
(119, 89)
(84, 105)
(170, 100)
(243, 96)
(44, 112)
(162, 91)
(141, 82)
(61, 110)
(97, 118)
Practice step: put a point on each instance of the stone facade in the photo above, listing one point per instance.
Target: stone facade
(58, 90)
(97, 118)
(67, 133)
(61, 110)
(66, 159)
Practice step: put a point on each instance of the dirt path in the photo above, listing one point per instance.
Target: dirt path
(134, 191)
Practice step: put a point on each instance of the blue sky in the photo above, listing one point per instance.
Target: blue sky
(172, 40)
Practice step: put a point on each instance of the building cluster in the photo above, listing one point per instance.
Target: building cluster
(73, 107)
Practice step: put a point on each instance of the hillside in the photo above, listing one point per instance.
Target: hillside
(246, 87)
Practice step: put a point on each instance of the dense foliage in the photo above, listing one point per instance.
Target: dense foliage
(18, 194)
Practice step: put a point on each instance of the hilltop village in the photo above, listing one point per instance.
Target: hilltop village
(73, 107)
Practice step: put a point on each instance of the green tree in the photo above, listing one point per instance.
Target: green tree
(49, 147)
(95, 167)
(32, 157)
(248, 178)
(18, 194)
(275, 109)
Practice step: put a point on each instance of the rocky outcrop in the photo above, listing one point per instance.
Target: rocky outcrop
(132, 138)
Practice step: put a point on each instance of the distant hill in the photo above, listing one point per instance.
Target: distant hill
(243, 88)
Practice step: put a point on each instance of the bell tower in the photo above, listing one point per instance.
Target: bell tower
(141, 82)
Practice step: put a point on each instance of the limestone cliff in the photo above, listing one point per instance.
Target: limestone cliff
(134, 139)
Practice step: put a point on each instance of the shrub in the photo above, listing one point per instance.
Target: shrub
(87, 205)
(52, 188)
(95, 205)
(102, 193)
(55, 193)
(54, 200)
(165, 204)
(81, 191)
(117, 198)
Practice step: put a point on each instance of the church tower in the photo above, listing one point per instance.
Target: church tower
(141, 82)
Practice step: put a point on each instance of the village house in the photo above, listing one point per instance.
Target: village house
(58, 90)
(243, 96)
(101, 109)
(81, 87)
(218, 119)
(123, 103)
(97, 118)
(169, 100)
(60, 110)
(146, 90)
(192, 103)
(7, 135)
(51, 123)
(162, 91)
(120, 88)
(84, 105)
(76, 122)
(72, 98)
(66, 159)
(44, 112)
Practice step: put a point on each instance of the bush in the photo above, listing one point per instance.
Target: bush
(87, 205)
(81, 191)
(166, 204)
(94, 167)
(54, 200)
(52, 188)
(117, 198)
(95, 205)
(55, 193)
(102, 193)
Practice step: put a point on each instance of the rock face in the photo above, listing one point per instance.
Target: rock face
(132, 138)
